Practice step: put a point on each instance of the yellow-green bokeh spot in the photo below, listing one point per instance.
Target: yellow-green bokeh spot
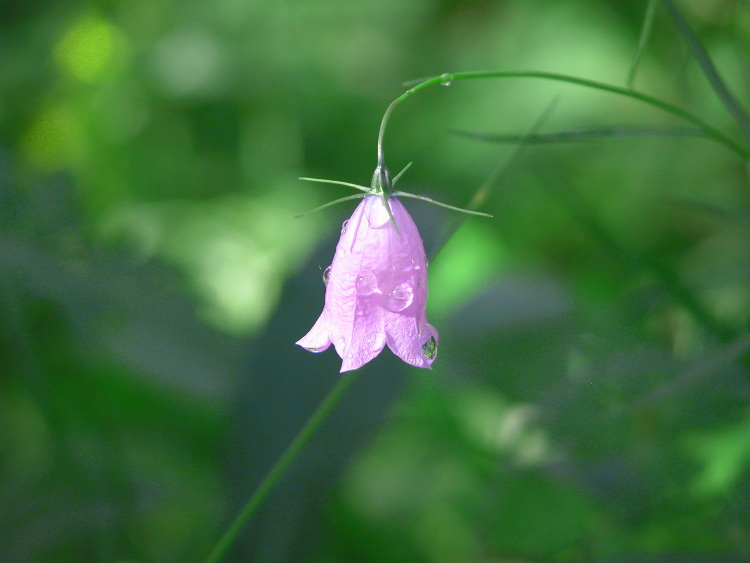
(467, 262)
(724, 454)
(51, 140)
(88, 48)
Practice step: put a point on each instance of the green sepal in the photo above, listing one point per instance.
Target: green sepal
(396, 193)
(337, 182)
(330, 203)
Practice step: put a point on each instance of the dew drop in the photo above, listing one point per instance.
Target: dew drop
(367, 282)
(313, 350)
(429, 348)
(326, 275)
(445, 80)
(400, 297)
(344, 225)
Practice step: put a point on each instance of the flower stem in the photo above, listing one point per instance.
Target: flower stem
(449, 78)
(278, 470)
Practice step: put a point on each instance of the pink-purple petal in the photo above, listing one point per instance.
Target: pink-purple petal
(317, 340)
(410, 341)
(368, 336)
(377, 290)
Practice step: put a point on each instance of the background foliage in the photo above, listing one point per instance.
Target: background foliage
(590, 400)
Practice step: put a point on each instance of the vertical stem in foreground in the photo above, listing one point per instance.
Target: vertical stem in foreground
(281, 466)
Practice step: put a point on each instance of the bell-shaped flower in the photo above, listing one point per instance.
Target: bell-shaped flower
(376, 290)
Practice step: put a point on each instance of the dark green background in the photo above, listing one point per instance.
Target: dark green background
(591, 396)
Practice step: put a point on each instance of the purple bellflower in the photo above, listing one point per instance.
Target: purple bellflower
(376, 287)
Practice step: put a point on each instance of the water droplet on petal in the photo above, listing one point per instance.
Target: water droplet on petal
(326, 275)
(367, 282)
(429, 348)
(400, 297)
(344, 225)
(314, 350)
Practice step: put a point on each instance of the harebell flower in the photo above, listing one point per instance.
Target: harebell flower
(376, 286)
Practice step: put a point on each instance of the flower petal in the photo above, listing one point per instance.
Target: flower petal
(377, 290)
(368, 335)
(341, 293)
(317, 340)
(413, 344)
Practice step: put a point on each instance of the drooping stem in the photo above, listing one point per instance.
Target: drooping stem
(384, 122)
(645, 98)
(281, 466)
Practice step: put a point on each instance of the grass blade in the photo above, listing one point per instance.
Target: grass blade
(709, 70)
(648, 24)
(586, 134)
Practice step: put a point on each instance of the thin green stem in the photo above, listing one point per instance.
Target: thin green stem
(645, 98)
(278, 470)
